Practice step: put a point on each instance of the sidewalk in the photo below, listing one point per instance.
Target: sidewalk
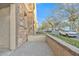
(33, 49)
(36, 46)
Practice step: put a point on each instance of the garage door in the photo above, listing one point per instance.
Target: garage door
(4, 27)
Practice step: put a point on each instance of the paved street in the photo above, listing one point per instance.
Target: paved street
(36, 46)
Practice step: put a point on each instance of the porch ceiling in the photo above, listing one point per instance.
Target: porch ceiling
(2, 5)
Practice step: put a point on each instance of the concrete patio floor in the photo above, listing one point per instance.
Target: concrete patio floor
(36, 46)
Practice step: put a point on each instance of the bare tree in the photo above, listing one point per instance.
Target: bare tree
(53, 21)
(68, 11)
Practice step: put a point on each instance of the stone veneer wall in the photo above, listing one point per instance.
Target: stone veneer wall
(30, 15)
(22, 33)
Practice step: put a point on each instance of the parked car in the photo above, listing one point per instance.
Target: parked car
(47, 30)
(68, 33)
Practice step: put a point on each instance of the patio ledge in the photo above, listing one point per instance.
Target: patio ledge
(65, 44)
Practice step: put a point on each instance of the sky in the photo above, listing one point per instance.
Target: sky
(44, 10)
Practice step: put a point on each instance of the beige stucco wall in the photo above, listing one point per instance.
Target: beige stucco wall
(4, 27)
(12, 26)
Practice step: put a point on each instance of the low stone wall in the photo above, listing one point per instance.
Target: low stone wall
(60, 47)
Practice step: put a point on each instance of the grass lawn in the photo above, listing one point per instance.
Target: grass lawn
(67, 39)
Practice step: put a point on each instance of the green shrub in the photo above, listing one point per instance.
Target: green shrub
(72, 41)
